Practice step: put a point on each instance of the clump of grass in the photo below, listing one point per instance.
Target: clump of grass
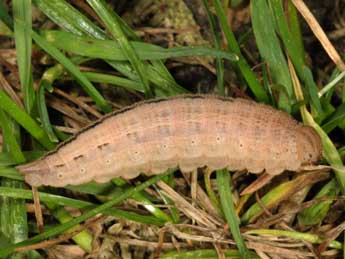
(283, 79)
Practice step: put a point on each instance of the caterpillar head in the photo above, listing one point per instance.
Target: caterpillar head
(309, 145)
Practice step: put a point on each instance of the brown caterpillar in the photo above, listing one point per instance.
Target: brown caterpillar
(186, 131)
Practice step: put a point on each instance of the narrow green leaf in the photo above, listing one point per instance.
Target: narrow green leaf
(42, 109)
(109, 50)
(4, 16)
(11, 143)
(114, 27)
(270, 50)
(24, 120)
(114, 80)
(64, 201)
(70, 67)
(335, 120)
(233, 46)
(61, 228)
(4, 30)
(204, 253)
(11, 173)
(66, 16)
(219, 62)
(314, 239)
(289, 36)
(316, 213)
(22, 33)
(224, 187)
(147, 204)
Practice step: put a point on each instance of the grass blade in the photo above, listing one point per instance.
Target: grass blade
(312, 238)
(64, 201)
(219, 62)
(109, 50)
(66, 16)
(11, 144)
(70, 67)
(59, 229)
(42, 109)
(114, 27)
(22, 34)
(224, 186)
(233, 46)
(204, 253)
(290, 37)
(271, 52)
(13, 218)
(24, 120)
(4, 16)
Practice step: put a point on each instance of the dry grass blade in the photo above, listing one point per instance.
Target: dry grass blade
(274, 249)
(319, 33)
(9, 90)
(257, 184)
(67, 110)
(204, 237)
(333, 234)
(60, 239)
(78, 102)
(144, 243)
(196, 214)
(203, 200)
(38, 209)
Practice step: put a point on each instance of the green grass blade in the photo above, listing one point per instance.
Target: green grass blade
(295, 28)
(272, 198)
(11, 143)
(83, 239)
(13, 218)
(42, 109)
(64, 14)
(6, 159)
(337, 119)
(24, 120)
(11, 173)
(146, 202)
(316, 213)
(270, 50)
(109, 50)
(5, 30)
(224, 187)
(290, 38)
(114, 80)
(4, 16)
(79, 204)
(158, 69)
(22, 34)
(219, 61)
(61, 228)
(204, 253)
(69, 18)
(233, 46)
(312, 238)
(73, 70)
(331, 84)
(114, 27)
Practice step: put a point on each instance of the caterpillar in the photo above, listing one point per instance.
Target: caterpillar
(185, 131)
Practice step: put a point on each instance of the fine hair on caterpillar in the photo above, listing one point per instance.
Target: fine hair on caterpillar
(185, 131)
